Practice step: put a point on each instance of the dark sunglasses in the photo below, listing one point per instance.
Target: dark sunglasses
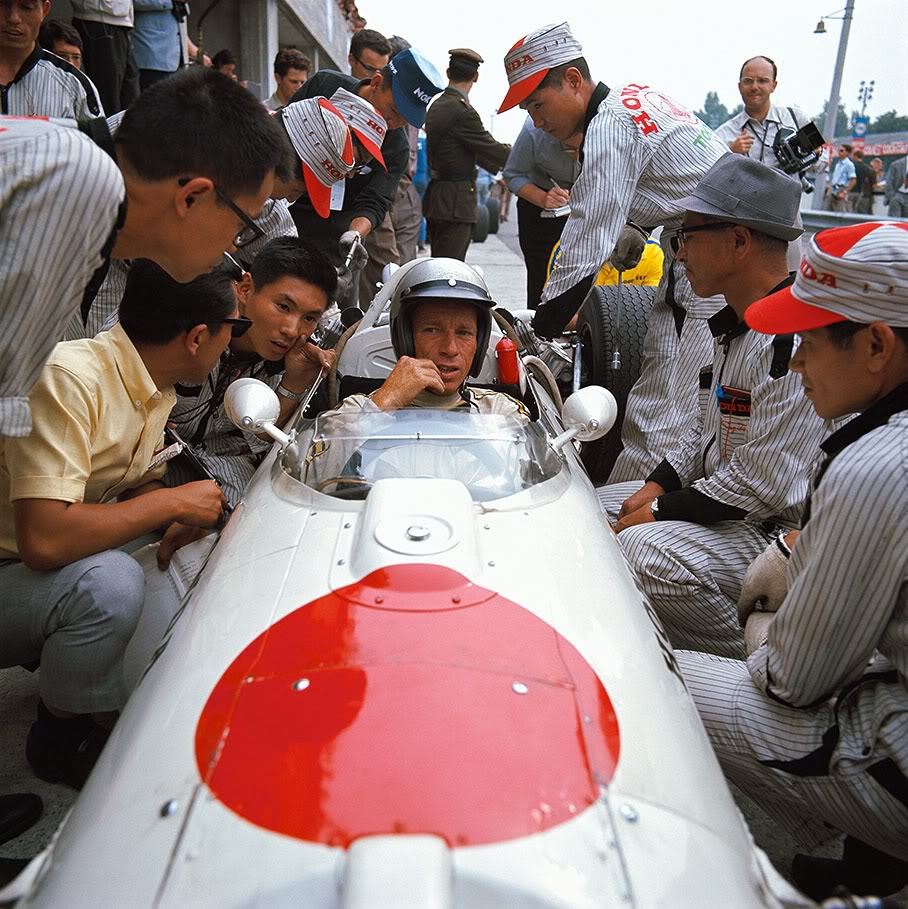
(680, 237)
(238, 326)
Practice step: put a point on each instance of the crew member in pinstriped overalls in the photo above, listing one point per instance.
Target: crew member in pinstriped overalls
(740, 471)
(815, 723)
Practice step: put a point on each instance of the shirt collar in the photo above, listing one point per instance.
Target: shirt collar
(872, 418)
(139, 384)
(600, 93)
(31, 61)
(455, 90)
(725, 324)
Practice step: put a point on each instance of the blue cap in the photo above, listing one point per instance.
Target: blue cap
(414, 83)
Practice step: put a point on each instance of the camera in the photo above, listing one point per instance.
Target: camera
(797, 150)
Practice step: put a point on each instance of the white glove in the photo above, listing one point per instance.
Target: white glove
(628, 250)
(765, 584)
(756, 630)
(352, 250)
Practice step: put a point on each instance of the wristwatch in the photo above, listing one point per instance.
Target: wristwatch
(654, 508)
(290, 395)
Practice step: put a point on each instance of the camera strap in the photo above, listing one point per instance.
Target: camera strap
(760, 139)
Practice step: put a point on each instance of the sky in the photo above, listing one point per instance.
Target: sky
(684, 48)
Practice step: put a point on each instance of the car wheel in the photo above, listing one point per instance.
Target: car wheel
(481, 227)
(600, 327)
(494, 208)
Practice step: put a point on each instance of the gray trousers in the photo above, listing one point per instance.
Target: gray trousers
(691, 574)
(898, 206)
(77, 621)
(406, 215)
(747, 728)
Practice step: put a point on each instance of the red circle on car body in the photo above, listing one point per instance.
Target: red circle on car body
(412, 701)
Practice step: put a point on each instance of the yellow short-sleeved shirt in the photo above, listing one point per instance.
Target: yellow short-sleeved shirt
(647, 273)
(97, 420)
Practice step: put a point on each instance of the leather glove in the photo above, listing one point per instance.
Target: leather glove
(756, 630)
(628, 250)
(351, 248)
(765, 583)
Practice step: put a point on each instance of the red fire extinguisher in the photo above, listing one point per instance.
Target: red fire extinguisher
(508, 370)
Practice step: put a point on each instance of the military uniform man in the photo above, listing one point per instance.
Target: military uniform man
(455, 141)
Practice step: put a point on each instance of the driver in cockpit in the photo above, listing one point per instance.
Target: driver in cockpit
(441, 322)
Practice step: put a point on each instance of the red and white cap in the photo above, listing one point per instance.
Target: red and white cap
(364, 120)
(321, 138)
(529, 60)
(853, 274)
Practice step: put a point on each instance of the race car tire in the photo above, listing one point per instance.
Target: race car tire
(481, 227)
(494, 207)
(600, 327)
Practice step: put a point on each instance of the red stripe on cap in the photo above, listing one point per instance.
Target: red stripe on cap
(522, 90)
(837, 241)
(319, 194)
(409, 702)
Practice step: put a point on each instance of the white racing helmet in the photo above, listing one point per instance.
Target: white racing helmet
(440, 281)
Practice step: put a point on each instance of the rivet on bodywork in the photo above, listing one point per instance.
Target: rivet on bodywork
(347, 526)
(491, 563)
(629, 813)
(341, 561)
(519, 688)
(169, 808)
(379, 599)
(301, 684)
(455, 599)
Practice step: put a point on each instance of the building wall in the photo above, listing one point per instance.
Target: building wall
(255, 29)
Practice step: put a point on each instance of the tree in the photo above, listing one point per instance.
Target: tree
(842, 122)
(890, 122)
(714, 112)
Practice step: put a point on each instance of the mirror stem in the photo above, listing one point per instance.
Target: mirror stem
(560, 441)
(268, 428)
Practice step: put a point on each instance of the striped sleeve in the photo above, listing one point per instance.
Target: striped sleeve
(600, 201)
(847, 573)
(59, 201)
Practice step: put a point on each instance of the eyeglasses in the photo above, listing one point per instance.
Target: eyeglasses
(366, 66)
(238, 326)
(748, 82)
(680, 237)
(251, 231)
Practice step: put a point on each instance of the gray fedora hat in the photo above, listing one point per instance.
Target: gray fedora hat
(746, 192)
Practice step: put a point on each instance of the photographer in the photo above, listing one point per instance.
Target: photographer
(755, 131)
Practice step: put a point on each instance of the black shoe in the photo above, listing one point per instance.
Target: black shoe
(862, 871)
(10, 869)
(64, 750)
(18, 813)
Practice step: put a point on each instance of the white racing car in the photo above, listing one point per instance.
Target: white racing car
(415, 671)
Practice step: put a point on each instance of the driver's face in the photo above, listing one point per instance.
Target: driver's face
(445, 333)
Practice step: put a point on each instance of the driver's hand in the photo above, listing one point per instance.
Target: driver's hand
(408, 378)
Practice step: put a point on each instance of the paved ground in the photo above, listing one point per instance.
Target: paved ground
(502, 265)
